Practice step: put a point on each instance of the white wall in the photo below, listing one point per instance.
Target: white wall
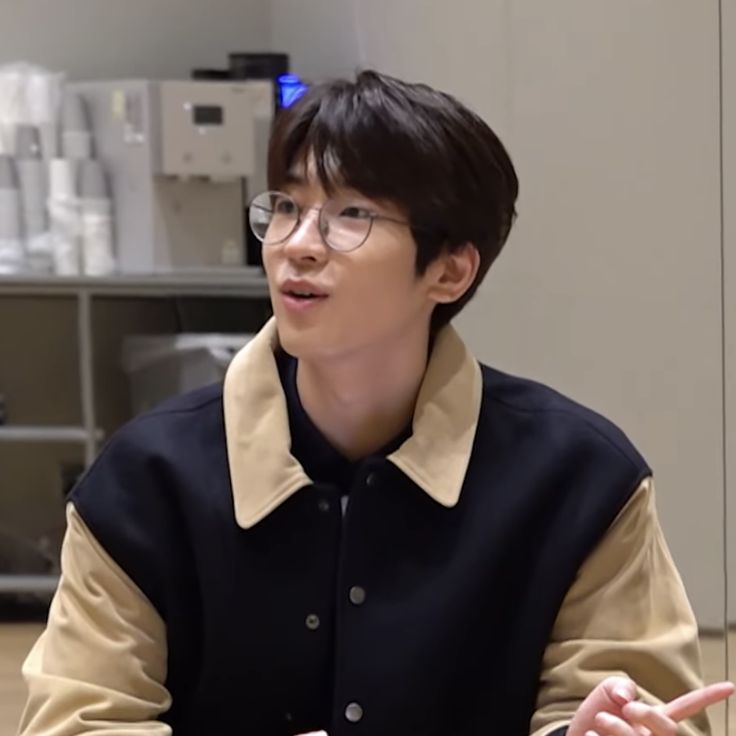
(609, 289)
(132, 38)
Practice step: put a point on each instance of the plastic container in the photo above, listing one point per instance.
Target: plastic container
(162, 366)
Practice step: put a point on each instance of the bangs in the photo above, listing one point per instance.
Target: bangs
(312, 162)
(359, 138)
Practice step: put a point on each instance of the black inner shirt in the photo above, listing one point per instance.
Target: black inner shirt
(322, 462)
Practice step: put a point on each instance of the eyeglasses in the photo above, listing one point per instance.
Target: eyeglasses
(344, 226)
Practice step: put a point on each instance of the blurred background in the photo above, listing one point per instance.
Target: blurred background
(131, 135)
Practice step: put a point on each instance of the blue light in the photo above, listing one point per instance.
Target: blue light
(291, 88)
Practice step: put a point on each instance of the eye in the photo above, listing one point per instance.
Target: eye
(284, 206)
(355, 212)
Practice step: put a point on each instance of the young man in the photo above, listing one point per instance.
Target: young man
(365, 531)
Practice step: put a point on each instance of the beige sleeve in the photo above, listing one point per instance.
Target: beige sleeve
(100, 665)
(626, 614)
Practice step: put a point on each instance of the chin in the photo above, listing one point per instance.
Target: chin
(301, 342)
(289, 337)
(309, 343)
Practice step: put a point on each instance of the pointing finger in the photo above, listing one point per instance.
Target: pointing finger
(692, 703)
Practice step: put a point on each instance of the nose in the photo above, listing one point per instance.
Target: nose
(306, 241)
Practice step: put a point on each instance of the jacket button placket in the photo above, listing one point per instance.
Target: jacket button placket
(352, 597)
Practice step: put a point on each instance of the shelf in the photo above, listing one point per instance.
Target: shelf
(231, 282)
(28, 583)
(22, 433)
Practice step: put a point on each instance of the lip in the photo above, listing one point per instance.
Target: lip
(301, 285)
(298, 305)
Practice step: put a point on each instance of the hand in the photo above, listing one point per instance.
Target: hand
(612, 710)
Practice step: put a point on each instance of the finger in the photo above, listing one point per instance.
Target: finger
(620, 690)
(642, 730)
(610, 725)
(653, 718)
(692, 703)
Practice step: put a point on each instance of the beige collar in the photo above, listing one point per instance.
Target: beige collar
(263, 471)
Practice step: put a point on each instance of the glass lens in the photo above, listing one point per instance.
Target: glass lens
(344, 226)
(273, 217)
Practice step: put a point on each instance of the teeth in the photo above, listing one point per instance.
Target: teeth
(303, 293)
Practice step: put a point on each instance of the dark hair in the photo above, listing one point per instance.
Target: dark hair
(413, 146)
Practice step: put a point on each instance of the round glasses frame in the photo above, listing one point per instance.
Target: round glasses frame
(258, 206)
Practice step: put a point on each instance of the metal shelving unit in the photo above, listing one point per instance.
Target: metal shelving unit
(31, 584)
(22, 433)
(236, 282)
(244, 283)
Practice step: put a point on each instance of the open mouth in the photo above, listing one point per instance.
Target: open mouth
(301, 295)
(305, 295)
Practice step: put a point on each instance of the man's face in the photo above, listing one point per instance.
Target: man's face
(368, 298)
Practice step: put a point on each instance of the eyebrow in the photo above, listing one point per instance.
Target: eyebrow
(295, 177)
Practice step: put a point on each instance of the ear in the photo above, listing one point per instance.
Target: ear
(453, 273)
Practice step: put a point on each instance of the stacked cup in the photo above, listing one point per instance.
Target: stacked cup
(55, 208)
(64, 217)
(33, 177)
(12, 254)
(79, 203)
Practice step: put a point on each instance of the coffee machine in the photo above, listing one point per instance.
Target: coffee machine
(183, 159)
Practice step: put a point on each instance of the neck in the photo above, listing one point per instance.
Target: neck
(360, 402)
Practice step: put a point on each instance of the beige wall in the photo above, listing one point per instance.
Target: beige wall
(609, 289)
(93, 39)
(320, 35)
(613, 290)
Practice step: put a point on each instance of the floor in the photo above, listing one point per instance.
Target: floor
(714, 670)
(16, 640)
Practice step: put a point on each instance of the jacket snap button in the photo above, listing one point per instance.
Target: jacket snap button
(354, 712)
(357, 595)
(323, 505)
(370, 480)
(313, 622)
